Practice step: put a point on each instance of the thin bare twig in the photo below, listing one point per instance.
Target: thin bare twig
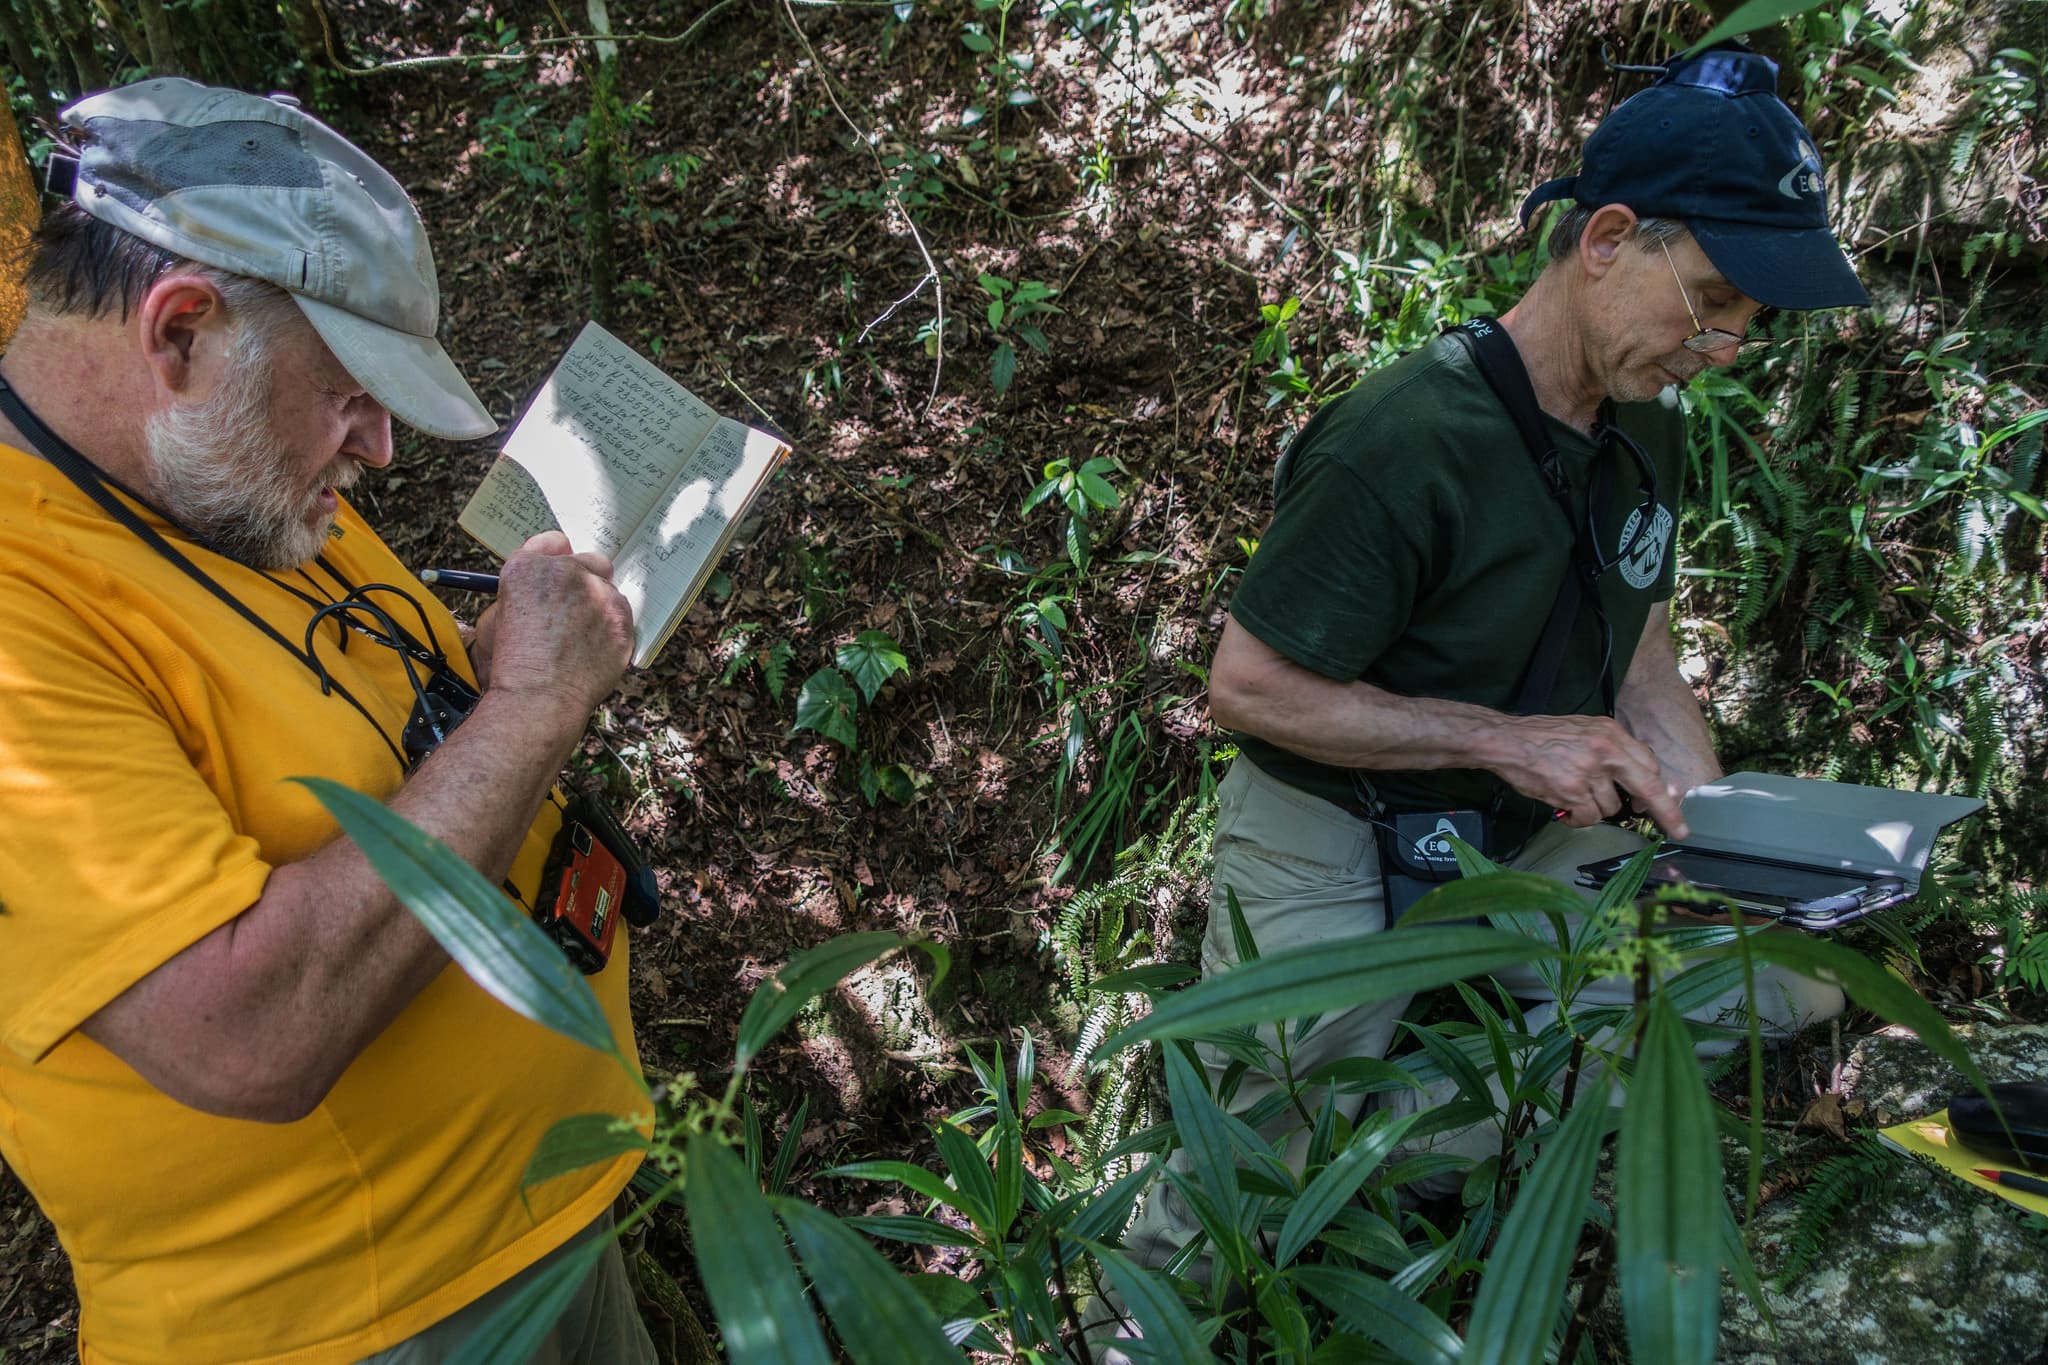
(931, 269)
(1160, 106)
(347, 68)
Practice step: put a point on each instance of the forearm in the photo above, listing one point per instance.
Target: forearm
(306, 978)
(1659, 709)
(1577, 764)
(1354, 724)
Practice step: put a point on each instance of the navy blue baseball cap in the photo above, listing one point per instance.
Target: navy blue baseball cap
(1711, 144)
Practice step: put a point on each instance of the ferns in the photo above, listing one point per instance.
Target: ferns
(1868, 1171)
(1116, 925)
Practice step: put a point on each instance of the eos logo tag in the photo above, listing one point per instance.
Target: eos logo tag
(1435, 847)
(1640, 569)
(1805, 178)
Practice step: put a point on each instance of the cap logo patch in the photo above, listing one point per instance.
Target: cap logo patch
(1804, 178)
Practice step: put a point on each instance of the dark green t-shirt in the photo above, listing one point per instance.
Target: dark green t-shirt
(1413, 545)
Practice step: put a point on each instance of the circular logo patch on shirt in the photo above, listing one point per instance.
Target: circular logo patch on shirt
(1640, 569)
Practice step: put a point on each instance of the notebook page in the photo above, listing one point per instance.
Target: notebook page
(596, 449)
(673, 555)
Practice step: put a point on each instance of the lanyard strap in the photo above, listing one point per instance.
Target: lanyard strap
(1500, 365)
(93, 484)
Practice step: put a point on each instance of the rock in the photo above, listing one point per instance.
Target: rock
(1930, 1270)
(1902, 170)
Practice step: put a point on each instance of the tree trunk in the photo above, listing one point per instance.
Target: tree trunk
(302, 21)
(124, 30)
(21, 51)
(231, 35)
(72, 27)
(163, 44)
(19, 213)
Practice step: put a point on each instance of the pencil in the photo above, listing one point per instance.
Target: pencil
(2026, 1184)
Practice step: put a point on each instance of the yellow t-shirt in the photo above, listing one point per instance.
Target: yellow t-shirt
(146, 732)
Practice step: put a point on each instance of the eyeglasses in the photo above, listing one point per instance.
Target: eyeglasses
(1707, 339)
(442, 699)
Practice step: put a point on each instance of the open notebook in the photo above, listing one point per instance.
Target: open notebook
(630, 464)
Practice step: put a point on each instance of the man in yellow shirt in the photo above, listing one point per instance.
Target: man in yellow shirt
(268, 1118)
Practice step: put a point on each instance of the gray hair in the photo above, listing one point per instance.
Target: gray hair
(78, 266)
(1649, 233)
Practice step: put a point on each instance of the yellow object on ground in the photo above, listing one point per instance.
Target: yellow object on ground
(1933, 1139)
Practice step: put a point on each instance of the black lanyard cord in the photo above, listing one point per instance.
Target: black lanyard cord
(93, 484)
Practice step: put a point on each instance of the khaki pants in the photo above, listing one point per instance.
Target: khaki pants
(601, 1325)
(1305, 872)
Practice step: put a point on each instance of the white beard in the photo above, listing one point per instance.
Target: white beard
(219, 470)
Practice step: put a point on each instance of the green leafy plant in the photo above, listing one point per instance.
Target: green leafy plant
(1082, 491)
(1002, 85)
(1385, 1274)
(1285, 380)
(1010, 304)
(766, 1311)
(831, 699)
(744, 647)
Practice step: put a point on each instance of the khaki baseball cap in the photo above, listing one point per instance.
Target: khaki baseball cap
(257, 187)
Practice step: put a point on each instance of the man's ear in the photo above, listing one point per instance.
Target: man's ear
(182, 328)
(1600, 243)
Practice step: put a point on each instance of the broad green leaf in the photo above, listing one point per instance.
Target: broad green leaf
(1002, 367)
(1098, 490)
(1105, 1212)
(1207, 1140)
(1496, 893)
(872, 659)
(1753, 16)
(880, 1320)
(1867, 983)
(827, 704)
(1667, 1178)
(502, 950)
(1381, 1312)
(811, 973)
(1327, 976)
(1525, 1277)
(1334, 1185)
(522, 1322)
(974, 1187)
(1044, 490)
(927, 1183)
(578, 1141)
(975, 41)
(896, 782)
(1151, 977)
(762, 1314)
(923, 1232)
(1077, 542)
(1009, 1174)
(1165, 1322)
(1241, 940)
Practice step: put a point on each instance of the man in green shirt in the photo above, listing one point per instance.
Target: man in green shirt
(1377, 648)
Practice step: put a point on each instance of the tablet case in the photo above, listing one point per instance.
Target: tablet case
(1827, 826)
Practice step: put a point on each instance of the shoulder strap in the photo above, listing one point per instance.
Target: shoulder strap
(93, 484)
(1500, 365)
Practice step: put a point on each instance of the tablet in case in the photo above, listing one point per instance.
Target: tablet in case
(1811, 854)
